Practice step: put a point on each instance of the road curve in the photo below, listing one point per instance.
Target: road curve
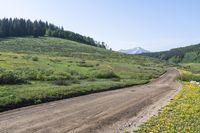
(90, 113)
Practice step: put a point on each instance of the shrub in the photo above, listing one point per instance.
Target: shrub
(55, 60)
(35, 73)
(9, 77)
(106, 74)
(61, 76)
(35, 58)
(43, 74)
(83, 63)
(189, 77)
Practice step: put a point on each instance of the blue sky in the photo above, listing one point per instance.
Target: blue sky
(152, 24)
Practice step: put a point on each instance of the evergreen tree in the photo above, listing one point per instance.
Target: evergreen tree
(21, 27)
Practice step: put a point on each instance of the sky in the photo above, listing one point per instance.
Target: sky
(155, 25)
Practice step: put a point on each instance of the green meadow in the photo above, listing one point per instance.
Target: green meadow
(37, 70)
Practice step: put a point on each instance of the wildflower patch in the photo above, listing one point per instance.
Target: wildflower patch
(181, 115)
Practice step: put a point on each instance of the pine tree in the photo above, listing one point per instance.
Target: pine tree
(21, 27)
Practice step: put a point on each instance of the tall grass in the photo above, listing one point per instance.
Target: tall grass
(189, 76)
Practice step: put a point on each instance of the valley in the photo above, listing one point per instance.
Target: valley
(59, 79)
(38, 70)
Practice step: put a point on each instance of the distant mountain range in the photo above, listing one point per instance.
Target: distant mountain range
(137, 50)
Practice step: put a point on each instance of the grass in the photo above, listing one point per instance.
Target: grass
(53, 69)
(189, 76)
(182, 115)
(193, 67)
(190, 71)
(9, 77)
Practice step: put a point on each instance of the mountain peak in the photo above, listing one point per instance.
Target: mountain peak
(136, 50)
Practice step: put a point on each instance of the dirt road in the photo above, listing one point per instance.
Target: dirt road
(91, 113)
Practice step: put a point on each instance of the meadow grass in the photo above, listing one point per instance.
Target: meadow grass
(51, 69)
(190, 72)
(193, 67)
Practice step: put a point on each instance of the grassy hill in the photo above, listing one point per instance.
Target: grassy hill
(187, 54)
(37, 70)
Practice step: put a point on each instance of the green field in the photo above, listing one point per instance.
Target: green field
(37, 70)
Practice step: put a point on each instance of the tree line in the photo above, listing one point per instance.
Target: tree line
(22, 27)
(184, 54)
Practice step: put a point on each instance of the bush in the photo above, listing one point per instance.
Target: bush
(189, 77)
(35, 73)
(83, 63)
(10, 78)
(106, 74)
(35, 58)
(43, 74)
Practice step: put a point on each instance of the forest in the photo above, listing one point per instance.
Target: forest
(189, 54)
(21, 27)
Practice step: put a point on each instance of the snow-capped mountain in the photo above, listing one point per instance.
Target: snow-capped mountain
(137, 50)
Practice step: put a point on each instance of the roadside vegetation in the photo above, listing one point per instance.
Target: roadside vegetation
(181, 115)
(37, 70)
(190, 72)
(183, 112)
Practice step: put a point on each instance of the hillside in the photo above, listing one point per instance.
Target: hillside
(187, 54)
(19, 27)
(37, 70)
